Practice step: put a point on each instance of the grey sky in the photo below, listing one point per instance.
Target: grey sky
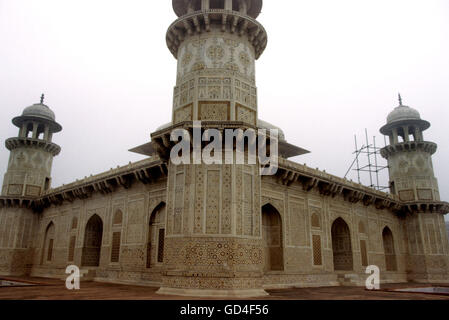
(331, 69)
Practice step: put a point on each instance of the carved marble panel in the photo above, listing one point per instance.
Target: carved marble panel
(134, 223)
(216, 50)
(226, 218)
(178, 203)
(214, 111)
(213, 201)
(33, 191)
(406, 195)
(248, 211)
(297, 226)
(199, 199)
(245, 114)
(15, 189)
(424, 194)
(183, 114)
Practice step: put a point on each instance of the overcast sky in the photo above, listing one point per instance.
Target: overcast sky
(331, 69)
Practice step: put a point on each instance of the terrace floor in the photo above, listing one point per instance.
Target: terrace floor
(54, 289)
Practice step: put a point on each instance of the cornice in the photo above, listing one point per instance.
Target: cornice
(19, 142)
(230, 21)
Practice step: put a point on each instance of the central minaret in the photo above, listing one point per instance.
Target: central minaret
(213, 243)
(216, 44)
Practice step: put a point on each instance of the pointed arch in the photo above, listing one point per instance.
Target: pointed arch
(272, 202)
(156, 236)
(390, 254)
(341, 245)
(118, 217)
(272, 238)
(93, 237)
(49, 239)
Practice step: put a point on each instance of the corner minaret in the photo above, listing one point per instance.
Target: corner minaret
(413, 181)
(409, 156)
(32, 152)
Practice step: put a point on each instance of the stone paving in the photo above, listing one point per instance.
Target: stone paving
(51, 289)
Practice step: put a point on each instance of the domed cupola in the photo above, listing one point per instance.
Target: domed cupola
(38, 113)
(401, 113)
(402, 122)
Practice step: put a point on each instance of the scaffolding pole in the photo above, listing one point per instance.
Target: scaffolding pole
(372, 168)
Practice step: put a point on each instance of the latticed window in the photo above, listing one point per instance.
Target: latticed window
(93, 237)
(272, 239)
(341, 245)
(390, 255)
(160, 250)
(317, 260)
(72, 248)
(156, 236)
(115, 251)
(47, 248)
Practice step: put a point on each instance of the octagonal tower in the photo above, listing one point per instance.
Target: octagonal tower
(409, 156)
(32, 152)
(412, 179)
(213, 243)
(216, 43)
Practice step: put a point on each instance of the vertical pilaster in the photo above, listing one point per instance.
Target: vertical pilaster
(406, 134)
(228, 5)
(395, 136)
(35, 126)
(46, 133)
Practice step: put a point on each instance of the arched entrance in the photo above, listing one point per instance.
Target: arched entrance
(272, 239)
(341, 245)
(92, 242)
(49, 239)
(156, 236)
(390, 254)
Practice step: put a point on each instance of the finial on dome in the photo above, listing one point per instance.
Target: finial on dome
(400, 99)
(42, 98)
